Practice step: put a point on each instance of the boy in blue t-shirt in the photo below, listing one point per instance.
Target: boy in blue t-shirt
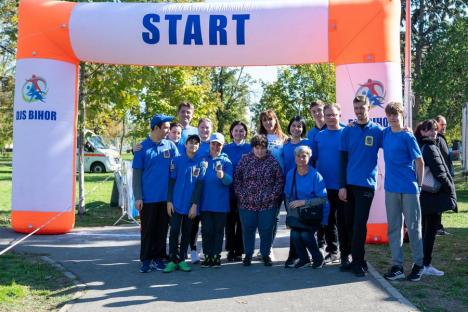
(187, 172)
(150, 180)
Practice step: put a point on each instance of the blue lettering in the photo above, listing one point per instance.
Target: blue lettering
(173, 18)
(31, 114)
(21, 115)
(218, 25)
(193, 30)
(151, 37)
(53, 115)
(240, 29)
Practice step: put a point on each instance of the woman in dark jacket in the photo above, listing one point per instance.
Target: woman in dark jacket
(433, 204)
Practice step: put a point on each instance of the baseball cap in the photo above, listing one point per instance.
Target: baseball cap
(217, 137)
(159, 118)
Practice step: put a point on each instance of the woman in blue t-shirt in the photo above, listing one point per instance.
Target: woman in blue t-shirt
(235, 151)
(305, 187)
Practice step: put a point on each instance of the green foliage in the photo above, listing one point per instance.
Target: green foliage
(295, 88)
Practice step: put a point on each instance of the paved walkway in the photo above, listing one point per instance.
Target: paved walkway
(106, 260)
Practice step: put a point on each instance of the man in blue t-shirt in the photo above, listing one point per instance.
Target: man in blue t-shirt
(326, 151)
(316, 110)
(359, 146)
(185, 115)
(151, 168)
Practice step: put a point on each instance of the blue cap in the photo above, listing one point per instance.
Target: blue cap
(217, 137)
(159, 118)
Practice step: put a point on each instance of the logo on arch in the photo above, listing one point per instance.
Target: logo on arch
(35, 89)
(375, 92)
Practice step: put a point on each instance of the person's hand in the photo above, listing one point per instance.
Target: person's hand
(219, 172)
(343, 194)
(139, 204)
(193, 211)
(137, 147)
(170, 209)
(296, 203)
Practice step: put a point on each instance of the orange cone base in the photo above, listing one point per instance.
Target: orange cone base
(28, 221)
(377, 233)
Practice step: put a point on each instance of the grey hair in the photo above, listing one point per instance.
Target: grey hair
(303, 149)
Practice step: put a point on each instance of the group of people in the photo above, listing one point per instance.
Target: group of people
(325, 177)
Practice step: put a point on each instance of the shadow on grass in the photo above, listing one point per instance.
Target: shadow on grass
(98, 213)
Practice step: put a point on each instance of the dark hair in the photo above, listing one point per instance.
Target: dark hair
(302, 121)
(316, 103)
(237, 123)
(193, 137)
(394, 108)
(175, 124)
(361, 99)
(185, 104)
(259, 140)
(430, 124)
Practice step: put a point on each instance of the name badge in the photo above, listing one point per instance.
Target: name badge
(369, 140)
(167, 154)
(204, 164)
(195, 172)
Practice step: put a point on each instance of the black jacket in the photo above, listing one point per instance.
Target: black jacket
(441, 142)
(446, 198)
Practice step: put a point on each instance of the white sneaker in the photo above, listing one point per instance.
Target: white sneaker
(430, 270)
(194, 256)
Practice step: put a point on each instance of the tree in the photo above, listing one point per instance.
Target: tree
(295, 88)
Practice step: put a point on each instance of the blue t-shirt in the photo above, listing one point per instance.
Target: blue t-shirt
(215, 195)
(186, 172)
(180, 147)
(204, 149)
(154, 159)
(236, 151)
(400, 151)
(308, 186)
(275, 146)
(189, 130)
(362, 145)
(327, 153)
(313, 132)
(288, 153)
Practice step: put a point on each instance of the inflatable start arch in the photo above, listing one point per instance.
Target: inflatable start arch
(361, 37)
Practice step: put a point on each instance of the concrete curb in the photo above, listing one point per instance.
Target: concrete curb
(390, 289)
(77, 285)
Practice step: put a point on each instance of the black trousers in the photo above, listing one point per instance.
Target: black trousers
(154, 225)
(181, 226)
(194, 233)
(329, 234)
(213, 224)
(356, 215)
(430, 225)
(234, 242)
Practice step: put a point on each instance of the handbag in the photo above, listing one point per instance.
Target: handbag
(429, 183)
(307, 215)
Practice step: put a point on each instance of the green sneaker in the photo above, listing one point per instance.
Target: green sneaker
(184, 267)
(170, 267)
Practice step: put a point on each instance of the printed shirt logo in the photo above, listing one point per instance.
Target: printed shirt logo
(375, 92)
(369, 140)
(35, 89)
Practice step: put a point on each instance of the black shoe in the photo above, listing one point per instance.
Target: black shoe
(267, 261)
(289, 263)
(346, 266)
(364, 266)
(237, 258)
(230, 256)
(395, 272)
(247, 261)
(332, 258)
(416, 273)
(302, 264)
(216, 261)
(207, 262)
(442, 232)
(359, 270)
(318, 265)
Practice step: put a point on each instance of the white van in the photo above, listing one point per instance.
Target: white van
(98, 157)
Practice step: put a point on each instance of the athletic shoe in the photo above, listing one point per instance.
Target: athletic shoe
(416, 273)
(442, 232)
(146, 266)
(258, 256)
(170, 267)
(158, 265)
(430, 270)
(318, 265)
(302, 264)
(216, 261)
(346, 266)
(359, 271)
(238, 258)
(332, 258)
(208, 262)
(194, 256)
(267, 261)
(395, 272)
(184, 267)
(230, 256)
(247, 261)
(289, 263)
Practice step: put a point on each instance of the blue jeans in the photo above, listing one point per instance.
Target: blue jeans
(264, 221)
(305, 240)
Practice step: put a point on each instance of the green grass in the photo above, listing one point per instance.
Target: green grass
(42, 288)
(447, 293)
